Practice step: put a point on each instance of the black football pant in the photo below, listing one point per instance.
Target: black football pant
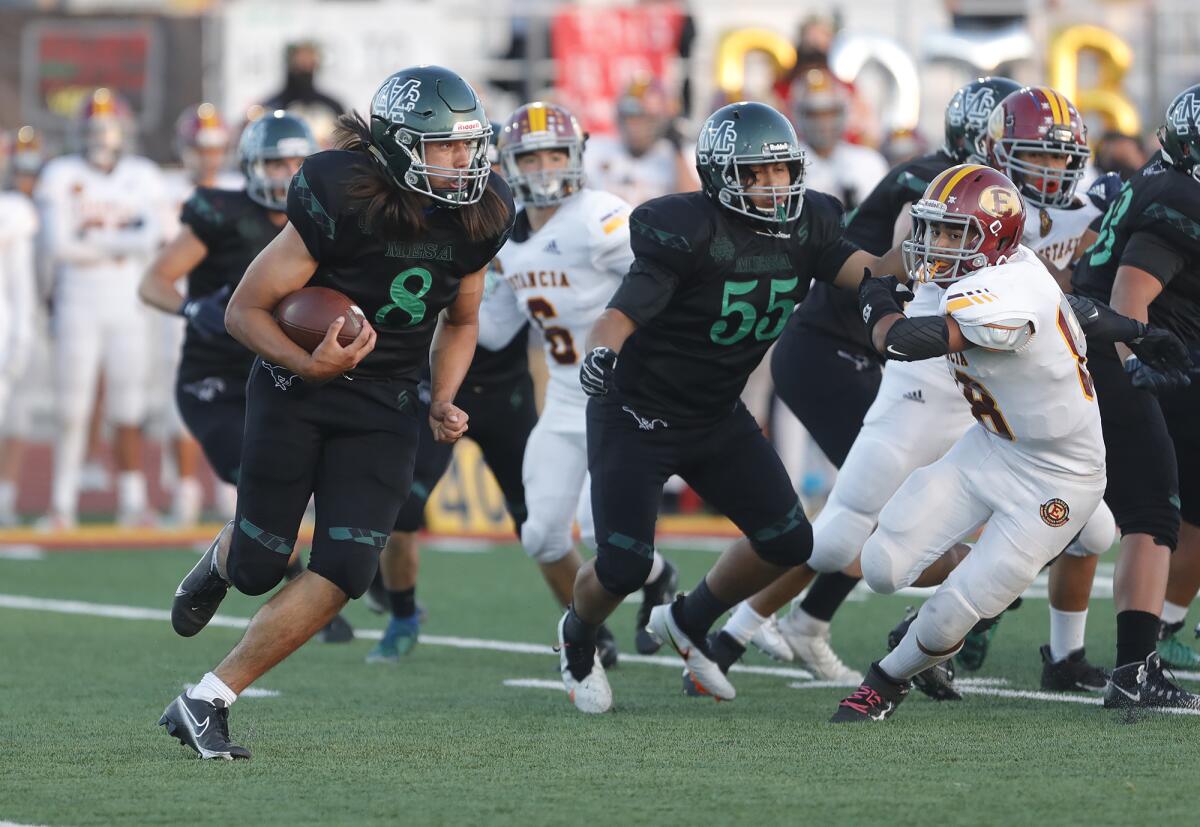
(1153, 447)
(729, 463)
(500, 420)
(828, 383)
(213, 407)
(351, 444)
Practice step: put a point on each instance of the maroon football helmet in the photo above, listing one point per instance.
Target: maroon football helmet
(537, 126)
(1037, 119)
(970, 217)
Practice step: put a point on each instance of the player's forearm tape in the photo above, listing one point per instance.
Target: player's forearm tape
(921, 337)
(1103, 324)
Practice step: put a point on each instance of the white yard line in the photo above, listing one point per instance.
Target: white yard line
(802, 679)
(78, 607)
(20, 552)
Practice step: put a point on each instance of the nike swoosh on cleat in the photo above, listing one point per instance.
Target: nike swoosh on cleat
(179, 592)
(197, 727)
(1132, 697)
(891, 349)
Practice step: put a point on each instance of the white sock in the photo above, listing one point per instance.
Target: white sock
(1066, 632)
(210, 688)
(1173, 613)
(908, 659)
(656, 568)
(189, 500)
(803, 623)
(8, 498)
(743, 623)
(131, 492)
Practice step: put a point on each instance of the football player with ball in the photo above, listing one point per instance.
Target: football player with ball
(403, 220)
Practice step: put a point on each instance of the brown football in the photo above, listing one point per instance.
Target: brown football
(306, 315)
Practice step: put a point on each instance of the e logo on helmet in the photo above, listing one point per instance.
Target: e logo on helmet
(999, 202)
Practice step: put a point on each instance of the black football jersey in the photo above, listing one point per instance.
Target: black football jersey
(400, 284)
(835, 312)
(1154, 225)
(234, 229)
(492, 370)
(710, 291)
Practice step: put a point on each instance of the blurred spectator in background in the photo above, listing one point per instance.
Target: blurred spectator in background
(820, 107)
(1120, 153)
(18, 313)
(903, 145)
(25, 161)
(648, 157)
(300, 95)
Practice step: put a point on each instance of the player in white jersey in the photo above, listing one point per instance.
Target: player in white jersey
(102, 215)
(1032, 467)
(645, 158)
(20, 162)
(892, 426)
(18, 299)
(568, 253)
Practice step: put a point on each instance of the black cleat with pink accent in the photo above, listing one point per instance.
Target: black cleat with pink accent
(875, 699)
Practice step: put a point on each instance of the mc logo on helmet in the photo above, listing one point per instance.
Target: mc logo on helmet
(1185, 114)
(396, 97)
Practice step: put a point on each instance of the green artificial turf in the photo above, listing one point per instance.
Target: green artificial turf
(441, 739)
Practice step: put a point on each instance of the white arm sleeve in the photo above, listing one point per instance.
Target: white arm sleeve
(500, 315)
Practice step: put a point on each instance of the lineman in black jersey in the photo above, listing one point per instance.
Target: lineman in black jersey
(716, 275)
(222, 232)
(1146, 264)
(404, 220)
(827, 373)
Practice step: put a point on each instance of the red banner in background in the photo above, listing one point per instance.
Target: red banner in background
(67, 60)
(598, 51)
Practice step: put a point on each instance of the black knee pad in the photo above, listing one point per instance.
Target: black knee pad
(786, 542)
(623, 563)
(348, 558)
(257, 559)
(1160, 521)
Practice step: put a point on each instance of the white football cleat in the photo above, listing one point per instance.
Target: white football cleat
(770, 642)
(592, 695)
(705, 674)
(809, 640)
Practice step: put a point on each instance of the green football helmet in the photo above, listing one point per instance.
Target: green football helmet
(275, 135)
(1180, 134)
(745, 133)
(967, 117)
(424, 105)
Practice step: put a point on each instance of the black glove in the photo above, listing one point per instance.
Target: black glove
(1160, 349)
(207, 314)
(1155, 381)
(880, 297)
(596, 372)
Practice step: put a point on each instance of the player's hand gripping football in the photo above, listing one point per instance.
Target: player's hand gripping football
(596, 372)
(447, 421)
(331, 359)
